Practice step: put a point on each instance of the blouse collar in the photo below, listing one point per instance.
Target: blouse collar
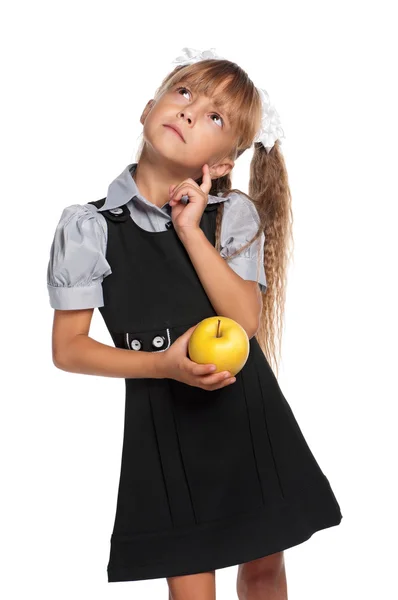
(124, 188)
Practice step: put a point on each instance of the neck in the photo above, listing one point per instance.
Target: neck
(154, 177)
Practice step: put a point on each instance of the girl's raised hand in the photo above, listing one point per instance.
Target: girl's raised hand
(186, 217)
(175, 364)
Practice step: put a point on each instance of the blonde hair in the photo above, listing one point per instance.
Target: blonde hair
(268, 185)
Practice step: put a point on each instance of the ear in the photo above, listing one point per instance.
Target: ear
(146, 110)
(221, 169)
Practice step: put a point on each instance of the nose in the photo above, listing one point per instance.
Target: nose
(193, 110)
(183, 115)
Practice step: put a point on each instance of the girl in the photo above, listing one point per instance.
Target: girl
(215, 469)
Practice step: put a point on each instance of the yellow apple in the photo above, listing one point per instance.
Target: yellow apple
(220, 341)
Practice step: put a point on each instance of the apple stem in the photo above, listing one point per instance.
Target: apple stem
(218, 328)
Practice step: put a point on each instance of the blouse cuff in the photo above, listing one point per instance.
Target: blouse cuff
(77, 297)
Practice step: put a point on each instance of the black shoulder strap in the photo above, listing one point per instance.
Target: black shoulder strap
(211, 207)
(98, 203)
(118, 215)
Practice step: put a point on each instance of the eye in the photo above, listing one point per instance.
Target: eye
(218, 116)
(187, 90)
(182, 88)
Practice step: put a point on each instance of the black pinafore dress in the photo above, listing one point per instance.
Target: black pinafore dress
(208, 479)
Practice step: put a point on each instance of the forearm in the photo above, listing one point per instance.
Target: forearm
(85, 355)
(226, 290)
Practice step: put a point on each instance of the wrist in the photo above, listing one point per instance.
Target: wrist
(158, 365)
(190, 233)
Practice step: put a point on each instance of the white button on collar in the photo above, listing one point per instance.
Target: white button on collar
(116, 211)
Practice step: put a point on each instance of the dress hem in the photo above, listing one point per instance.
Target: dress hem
(228, 542)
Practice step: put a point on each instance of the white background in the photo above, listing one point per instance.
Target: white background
(75, 78)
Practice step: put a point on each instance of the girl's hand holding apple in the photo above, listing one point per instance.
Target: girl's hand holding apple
(174, 363)
(221, 341)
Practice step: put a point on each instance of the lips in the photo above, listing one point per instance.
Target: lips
(176, 129)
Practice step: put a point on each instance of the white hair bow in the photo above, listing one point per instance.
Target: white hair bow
(270, 128)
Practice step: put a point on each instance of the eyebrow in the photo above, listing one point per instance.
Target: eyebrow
(221, 107)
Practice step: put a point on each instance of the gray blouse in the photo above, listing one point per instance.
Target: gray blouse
(78, 265)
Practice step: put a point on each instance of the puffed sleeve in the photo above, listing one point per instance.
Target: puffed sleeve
(239, 225)
(77, 263)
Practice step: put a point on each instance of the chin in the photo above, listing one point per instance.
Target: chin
(171, 153)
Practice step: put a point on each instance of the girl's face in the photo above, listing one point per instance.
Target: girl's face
(208, 135)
